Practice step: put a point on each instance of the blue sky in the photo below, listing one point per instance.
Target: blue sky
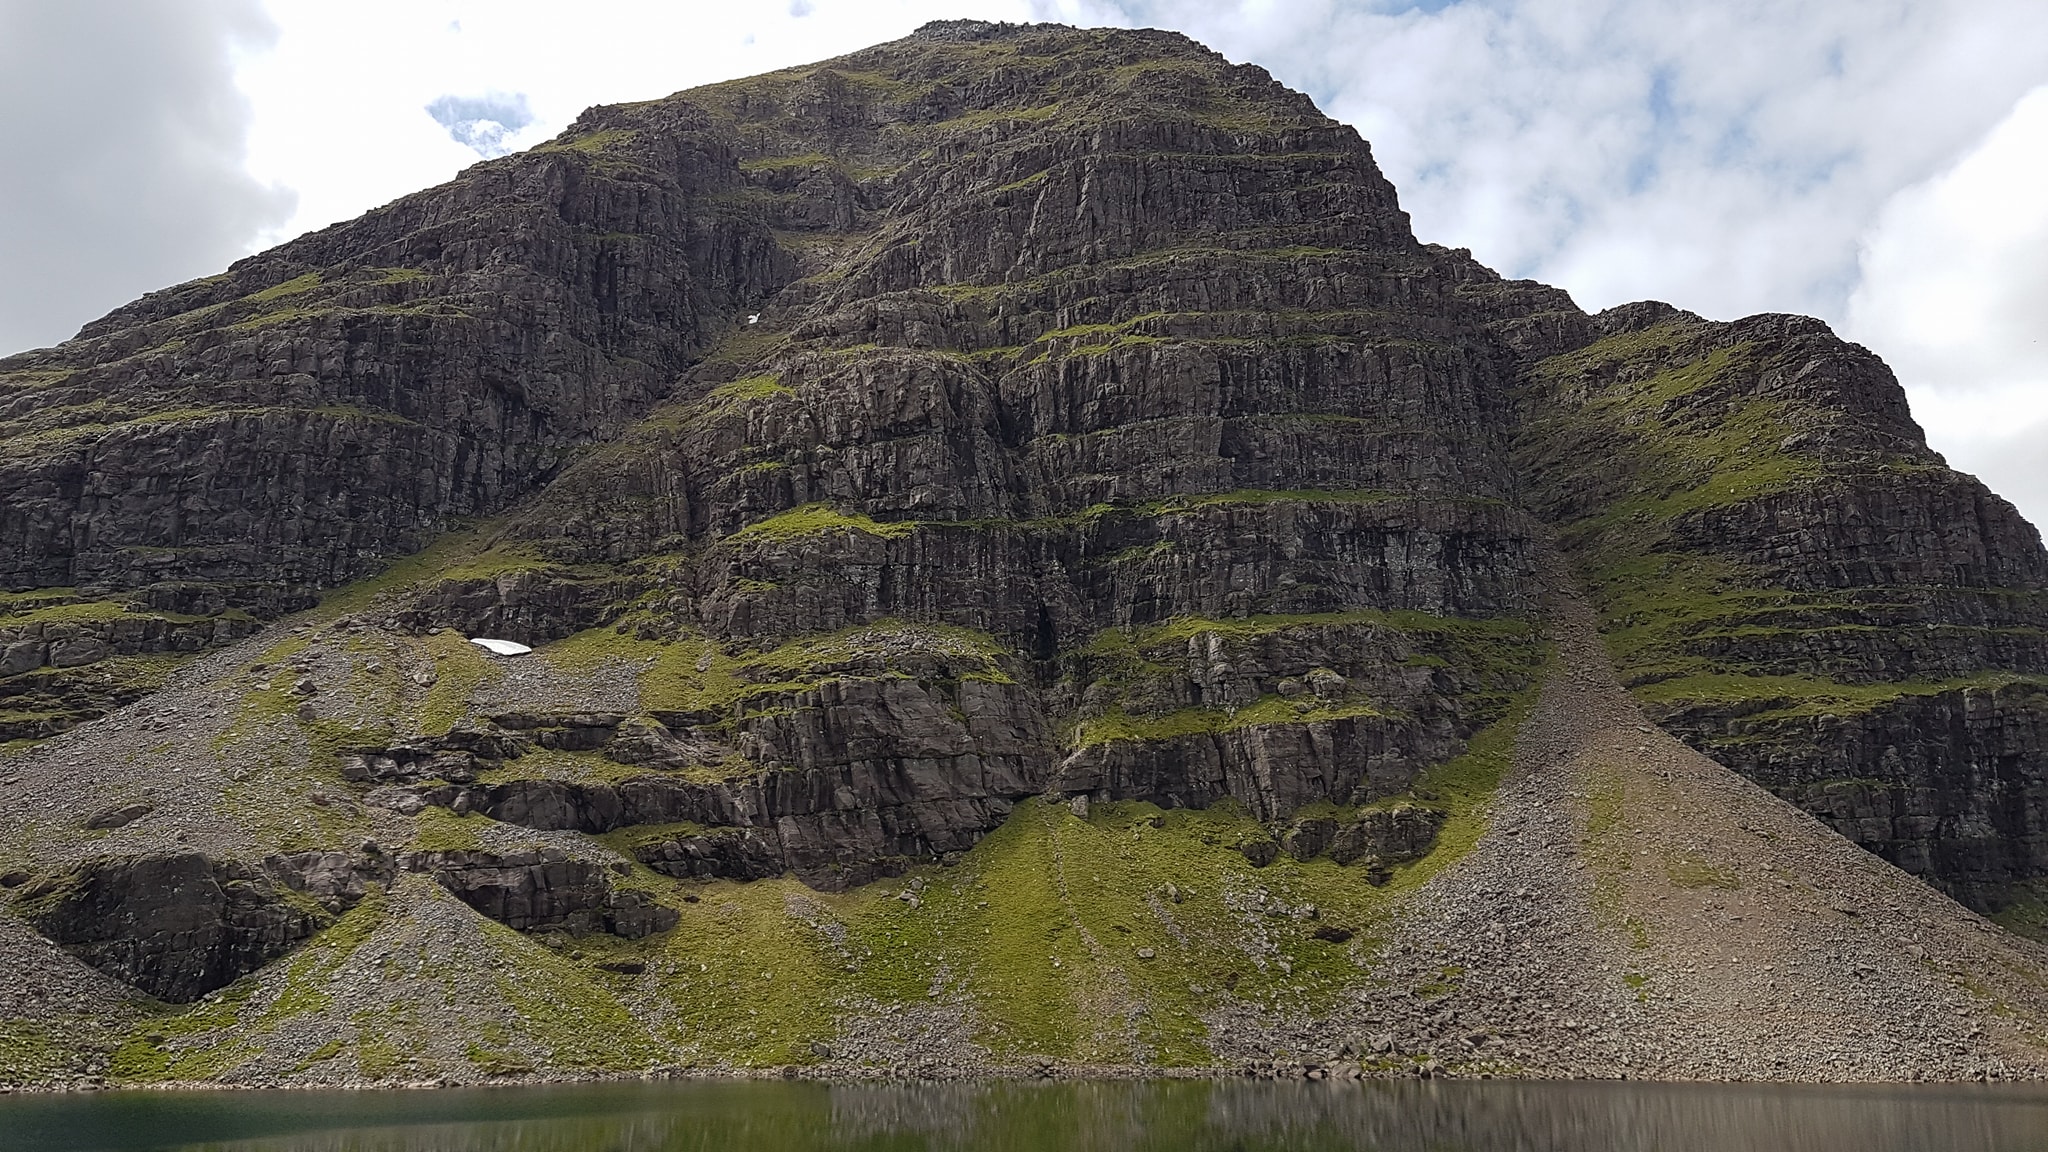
(1877, 163)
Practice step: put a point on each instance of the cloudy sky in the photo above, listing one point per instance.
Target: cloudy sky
(1882, 164)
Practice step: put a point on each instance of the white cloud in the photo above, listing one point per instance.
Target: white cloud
(123, 137)
(341, 100)
(1954, 296)
(1955, 272)
(484, 124)
(1732, 158)
(1723, 156)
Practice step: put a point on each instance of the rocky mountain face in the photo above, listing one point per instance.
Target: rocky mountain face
(228, 448)
(1795, 585)
(1039, 464)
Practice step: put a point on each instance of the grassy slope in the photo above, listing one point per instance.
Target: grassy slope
(1688, 433)
(1102, 940)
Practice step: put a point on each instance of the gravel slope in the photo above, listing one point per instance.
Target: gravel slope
(1638, 910)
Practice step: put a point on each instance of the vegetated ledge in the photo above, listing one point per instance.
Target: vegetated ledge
(1763, 698)
(1264, 712)
(821, 517)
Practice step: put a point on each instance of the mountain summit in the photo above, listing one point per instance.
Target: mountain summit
(1032, 567)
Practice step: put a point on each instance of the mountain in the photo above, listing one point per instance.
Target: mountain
(1033, 568)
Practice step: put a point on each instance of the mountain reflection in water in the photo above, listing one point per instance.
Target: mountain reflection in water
(1090, 1117)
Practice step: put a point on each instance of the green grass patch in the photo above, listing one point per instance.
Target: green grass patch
(321, 1055)
(191, 1044)
(377, 1055)
(1268, 710)
(450, 550)
(749, 390)
(1462, 787)
(55, 606)
(291, 287)
(499, 559)
(1059, 931)
(567, 1013)
(443, 831)
(693, 673)
(2022, 909)
(1493, 659)
(597, 143)
(460, 668)
(777, 163)
(1026, 184)
(815, 520)
(1181, 629)
(1769, 699)
(309, 971)
(1603, 808)
(33, 1051)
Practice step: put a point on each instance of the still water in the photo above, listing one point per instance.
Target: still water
(1104, 1117)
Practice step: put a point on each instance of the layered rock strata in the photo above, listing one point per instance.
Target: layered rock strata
(949, 454)
(1796, 585)
(174, 926)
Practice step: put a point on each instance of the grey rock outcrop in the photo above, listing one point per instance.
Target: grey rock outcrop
(175, 926)
(543, 889)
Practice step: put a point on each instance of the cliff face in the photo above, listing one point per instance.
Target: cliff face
(1795, 585)
(230, 447)
(910, 459)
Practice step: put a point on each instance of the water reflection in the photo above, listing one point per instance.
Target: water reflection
(1107, 1117)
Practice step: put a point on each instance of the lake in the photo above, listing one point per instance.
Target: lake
(1041, 1117)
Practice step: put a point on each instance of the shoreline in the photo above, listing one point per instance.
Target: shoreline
(1277, 1071)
